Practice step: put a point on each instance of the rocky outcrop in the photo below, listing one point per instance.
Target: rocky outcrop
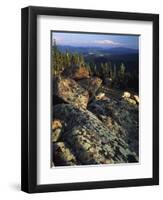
(66, 90)
(121, 117)
(91, 85)
(132, 99)
(76, 72)
(87, 139)
(92, 124)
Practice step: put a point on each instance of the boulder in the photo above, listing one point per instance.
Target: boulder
(56, 124)
(126, 95)
(56, 130)
(100, 96)
(89, 139)
(130, 100)
(76, 72)
(66, 90)
(136, 98)
(56, 134)
(91, 85)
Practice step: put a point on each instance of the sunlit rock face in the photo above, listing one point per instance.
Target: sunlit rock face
(67, 90)
(76, 72)
(91, 85)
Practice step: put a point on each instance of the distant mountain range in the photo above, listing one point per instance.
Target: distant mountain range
(98, 55)
(97, 50)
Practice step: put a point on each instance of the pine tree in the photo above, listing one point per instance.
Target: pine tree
(110, 70)
(115, 72)
(122, 71)
(81, 59)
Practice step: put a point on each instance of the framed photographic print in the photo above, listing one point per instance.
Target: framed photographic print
(90, 99)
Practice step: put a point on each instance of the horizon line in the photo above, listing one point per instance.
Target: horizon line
(106, 47)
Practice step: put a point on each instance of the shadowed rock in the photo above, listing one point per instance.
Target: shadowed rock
(91, 85)
(62, 155)
(121, 117)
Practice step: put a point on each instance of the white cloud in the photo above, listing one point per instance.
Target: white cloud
(107, 42)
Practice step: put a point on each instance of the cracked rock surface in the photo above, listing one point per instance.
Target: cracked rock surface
(87, 140)
(91, 123)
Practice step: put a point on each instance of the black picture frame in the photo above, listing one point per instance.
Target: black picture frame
(29, 99)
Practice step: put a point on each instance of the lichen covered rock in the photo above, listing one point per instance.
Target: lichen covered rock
(121, 117)
(62, 155)
(91, 85)
(66, 90)
(89, 139)
(56, 130)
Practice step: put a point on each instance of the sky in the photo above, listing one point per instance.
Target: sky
(97, 40)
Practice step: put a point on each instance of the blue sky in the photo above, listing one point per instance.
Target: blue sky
(98, 40)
